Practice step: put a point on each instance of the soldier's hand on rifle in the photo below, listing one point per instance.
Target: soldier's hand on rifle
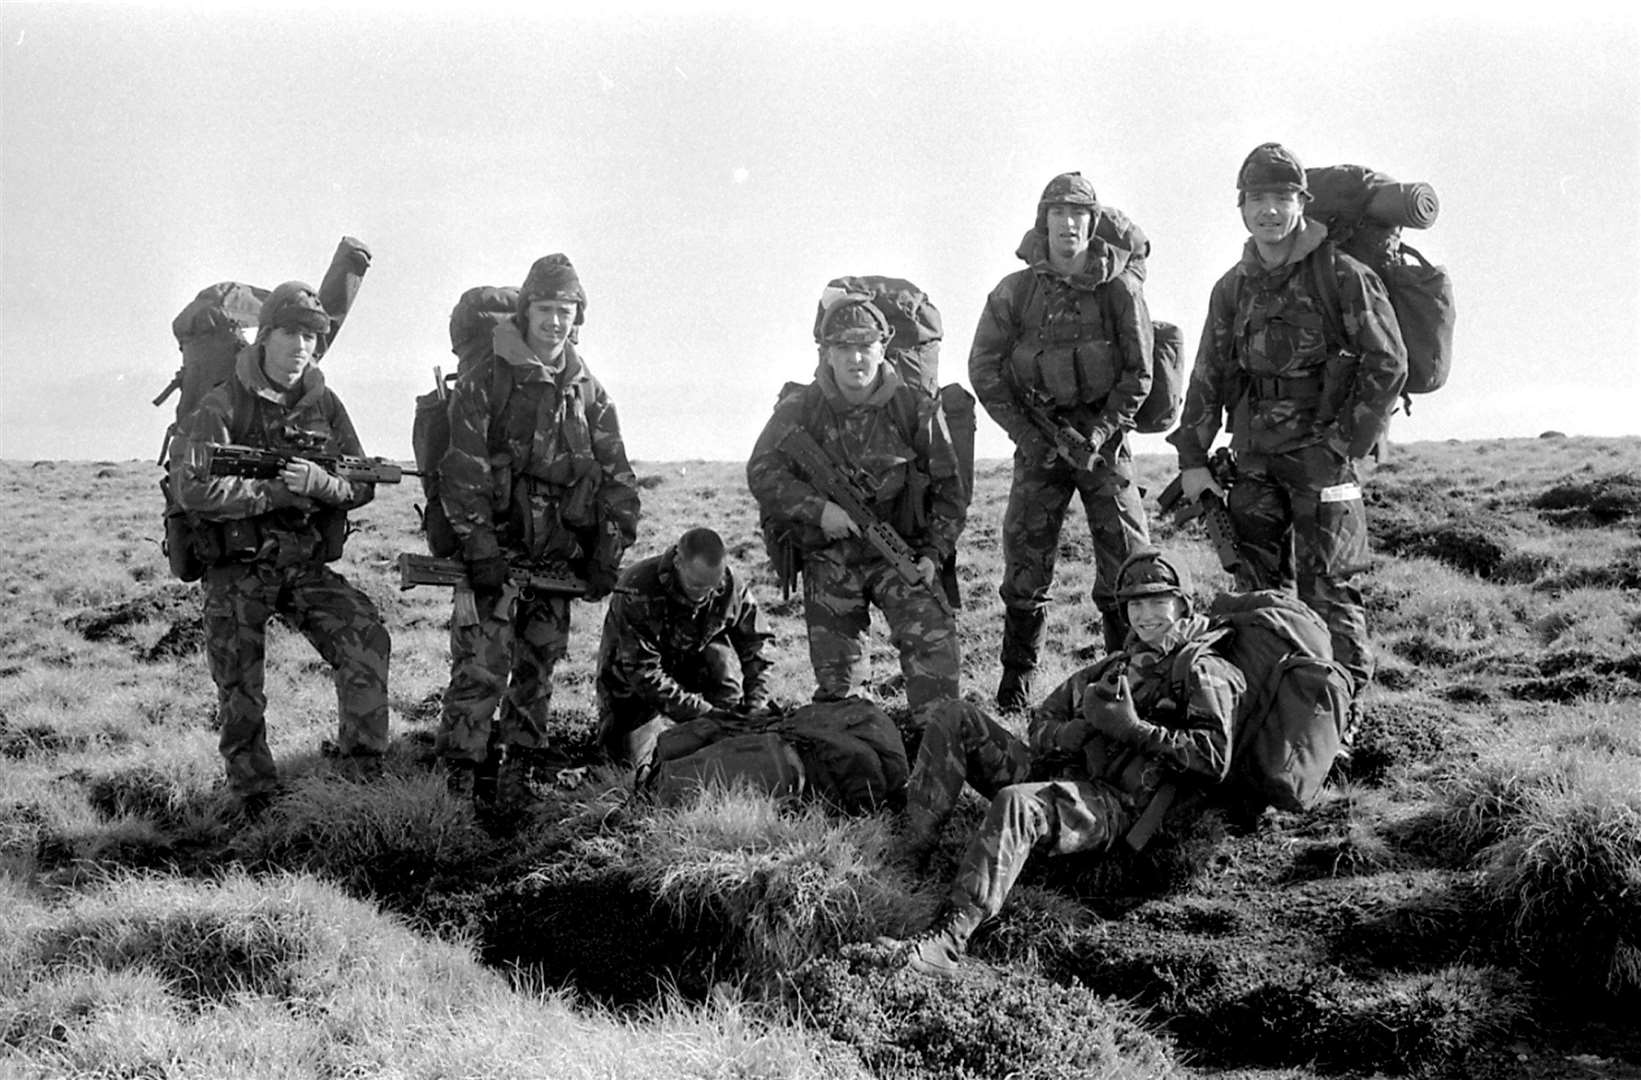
(600, 581)
(305, 478)
(928, 571)
(1113, 716)
(487, 575)
(836, 523)
(1196, 480)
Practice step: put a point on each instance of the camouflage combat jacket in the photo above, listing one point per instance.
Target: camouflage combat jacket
(1187, 735)
(896, 444)
(241, 519)
(1079, 345)
(1265, 356)
(651, 631)
(548, 481)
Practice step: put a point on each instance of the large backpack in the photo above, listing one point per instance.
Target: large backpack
(473, 321)
(1289, 725)
(1365, 212)
(847, 754)
(914, 349)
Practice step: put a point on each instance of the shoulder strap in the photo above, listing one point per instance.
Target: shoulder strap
(1325, 277)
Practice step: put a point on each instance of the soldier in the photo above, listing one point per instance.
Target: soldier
(265, 543)
(536, 475)
(1103, 752)
(683, 636)
(1304, 410)
(894, 440)
(1069, 334)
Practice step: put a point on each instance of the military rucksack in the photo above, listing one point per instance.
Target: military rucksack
(1289, 724)
(473, 322)
(914, 350)
(847, 754)
(1365, 212)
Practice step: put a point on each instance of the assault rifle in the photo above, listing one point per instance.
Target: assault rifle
(848, 491)
(1077, 449)
(417, 570)
(230, 460)
(1210, 508)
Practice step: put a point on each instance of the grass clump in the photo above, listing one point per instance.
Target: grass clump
(791, 882)
(988, 1023)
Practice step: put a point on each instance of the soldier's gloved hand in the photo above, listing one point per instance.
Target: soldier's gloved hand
(487, 575)
(600, 582)
(1115, 718)
(1195, 480)
(836, 523)
(928, 571)
(307, 479)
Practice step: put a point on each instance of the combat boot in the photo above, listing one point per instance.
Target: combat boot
(939, 950)
(1014, 689)
(516, 780)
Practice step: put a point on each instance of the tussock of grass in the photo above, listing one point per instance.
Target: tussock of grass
(385, 837)
(795, 882)
(988, 1023)
(288, 978)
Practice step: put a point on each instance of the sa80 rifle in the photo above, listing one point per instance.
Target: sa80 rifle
(227, 459)
(1216, 519)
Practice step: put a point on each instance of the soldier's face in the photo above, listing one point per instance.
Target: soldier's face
(697, 579)
(1151, 617)
(1272, 215)
(547, 326)
(855, 366)
(286, 354)
(1068, 229)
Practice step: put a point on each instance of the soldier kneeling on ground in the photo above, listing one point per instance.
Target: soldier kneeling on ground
(1100, 749)
(683, 637)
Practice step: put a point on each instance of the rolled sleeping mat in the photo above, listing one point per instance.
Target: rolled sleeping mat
(1412, 206)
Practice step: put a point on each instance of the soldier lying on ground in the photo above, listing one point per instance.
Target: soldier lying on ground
(1100, 749)
(683, 636)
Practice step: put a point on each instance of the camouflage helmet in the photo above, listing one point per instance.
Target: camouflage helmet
(1149, 573)
(292, 306)
(551, 277)
(1067, 189)
(853, 320)
(1271, 167)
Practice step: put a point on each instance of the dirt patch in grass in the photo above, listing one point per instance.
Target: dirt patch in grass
(171, 603)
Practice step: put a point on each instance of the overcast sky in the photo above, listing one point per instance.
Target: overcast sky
(708, 172)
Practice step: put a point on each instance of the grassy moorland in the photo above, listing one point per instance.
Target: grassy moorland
(1465, 903)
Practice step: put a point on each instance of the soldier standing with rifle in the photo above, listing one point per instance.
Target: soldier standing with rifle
(858, 471)
(536, 476)
(1062, 361)
(264, 542)
(1304, 411)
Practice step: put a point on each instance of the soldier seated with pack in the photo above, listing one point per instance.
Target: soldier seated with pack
(889, 448)
(683, 637)
(265, 542)
(1100, 762)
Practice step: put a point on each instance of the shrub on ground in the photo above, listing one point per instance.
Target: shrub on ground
(988, 1023)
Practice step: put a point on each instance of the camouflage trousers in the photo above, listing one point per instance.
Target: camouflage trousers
(838, 591)
(337, 618)
(628, 725)
(1301, 526)
(962, 744)
(506, 657)
(1038, 499)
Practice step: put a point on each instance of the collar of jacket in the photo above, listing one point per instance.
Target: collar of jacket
(509, 345)
(1307, 238)
(1105, 260)
(888, 382)
(248, 370)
